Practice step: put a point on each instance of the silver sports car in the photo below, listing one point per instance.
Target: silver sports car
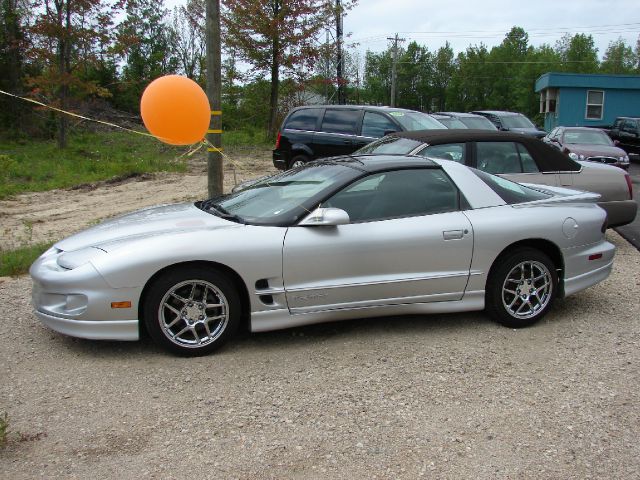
(350, 237)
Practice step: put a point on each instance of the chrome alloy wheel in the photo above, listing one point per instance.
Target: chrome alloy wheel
(193, 313)
(527, 289)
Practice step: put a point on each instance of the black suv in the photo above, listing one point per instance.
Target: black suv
(511, 122)
(626, 130)
(319, 131)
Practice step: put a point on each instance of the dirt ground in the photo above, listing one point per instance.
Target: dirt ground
(442, 396)
(53, 215)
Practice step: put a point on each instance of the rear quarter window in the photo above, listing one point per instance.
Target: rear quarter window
(511, 192)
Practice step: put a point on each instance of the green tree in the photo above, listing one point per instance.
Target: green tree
(12, 40)
(579, 53)
(618, 58)
(145, 44)
(278, 37)
(377, 78)
(444, 68)
(66, 37)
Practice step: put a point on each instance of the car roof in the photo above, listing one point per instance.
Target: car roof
(503, 113)
(547, 158)
(378, 163)
(460, 114)
(356, 107)
(590, 129)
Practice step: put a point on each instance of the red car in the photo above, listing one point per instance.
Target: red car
(591, 144)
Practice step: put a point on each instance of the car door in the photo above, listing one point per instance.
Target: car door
(374, 125)
(407, 242)
(337, 132)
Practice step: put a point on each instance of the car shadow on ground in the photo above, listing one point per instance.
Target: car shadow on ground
(357, 331)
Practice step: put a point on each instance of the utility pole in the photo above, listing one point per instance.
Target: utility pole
(395, 41)
(215, 174)
(341, 93)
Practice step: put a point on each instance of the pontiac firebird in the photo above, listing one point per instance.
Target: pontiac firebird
(348, 237)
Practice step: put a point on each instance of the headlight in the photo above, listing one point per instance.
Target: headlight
(77, 258)
(574, 156)
(625, 159)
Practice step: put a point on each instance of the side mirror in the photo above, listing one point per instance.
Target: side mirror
(326, 217)
(387, 132)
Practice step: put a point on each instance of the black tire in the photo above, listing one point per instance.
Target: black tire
(192, 310)
(298, 160)
(521, 288)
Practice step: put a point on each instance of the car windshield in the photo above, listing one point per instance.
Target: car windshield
(416, 121)
(516, 121)
(594, 137)
(284, 198)
(479, 123)
(390, 144)
(451, 122)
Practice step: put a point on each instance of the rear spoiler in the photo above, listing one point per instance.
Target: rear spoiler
(561, 195)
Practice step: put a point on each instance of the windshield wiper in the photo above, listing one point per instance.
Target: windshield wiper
(220, 211)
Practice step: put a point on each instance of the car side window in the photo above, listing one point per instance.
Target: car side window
(449, 151)
(375, 125)
(498, 157)
(305, 119)
(340, 121)
(400, 193)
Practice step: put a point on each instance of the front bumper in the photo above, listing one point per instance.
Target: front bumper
(95, 330)
(79, 302)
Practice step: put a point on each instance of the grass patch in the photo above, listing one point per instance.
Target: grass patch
(249, 137)
(90, 157)
(17, 262)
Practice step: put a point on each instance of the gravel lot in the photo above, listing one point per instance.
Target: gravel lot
(443, 396)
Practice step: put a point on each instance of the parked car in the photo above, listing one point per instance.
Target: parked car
(511, 122)
(590, 144)
(626, 131)
(449, 121)
(350, 237)
(470, 120)
(519, 158)
(312, 132)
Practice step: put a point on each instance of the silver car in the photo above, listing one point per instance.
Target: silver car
(343, 238)
(521, 158)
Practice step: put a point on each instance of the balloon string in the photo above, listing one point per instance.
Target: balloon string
(55, 109)
(195, 149)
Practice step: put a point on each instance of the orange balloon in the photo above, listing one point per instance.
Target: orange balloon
(175, 110)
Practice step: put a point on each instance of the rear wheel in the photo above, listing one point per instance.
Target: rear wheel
(298, 161)
(521, 288)
(192, 310)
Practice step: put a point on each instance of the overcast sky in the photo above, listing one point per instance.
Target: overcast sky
(469, 22)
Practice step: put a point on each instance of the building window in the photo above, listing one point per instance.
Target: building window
(595, 103)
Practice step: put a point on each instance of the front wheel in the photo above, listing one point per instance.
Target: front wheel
(521, 288)
(191, 310)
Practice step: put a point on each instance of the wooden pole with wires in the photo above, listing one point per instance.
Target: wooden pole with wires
(215, 173)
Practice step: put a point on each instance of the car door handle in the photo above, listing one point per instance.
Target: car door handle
(453, 234)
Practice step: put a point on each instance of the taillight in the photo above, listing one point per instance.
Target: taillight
(278, 141)
(629, 185)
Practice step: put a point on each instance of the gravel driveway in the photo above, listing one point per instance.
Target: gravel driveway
(443, 396)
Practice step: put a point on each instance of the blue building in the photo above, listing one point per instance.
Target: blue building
(587, 100)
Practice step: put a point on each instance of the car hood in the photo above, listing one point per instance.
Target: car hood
(595, 150)
(143, 223)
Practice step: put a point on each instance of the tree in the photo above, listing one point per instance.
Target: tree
(145, 43)
(66, 38)
(278, 37)
(443, 71)
(618, 58)
(11, 59)
(189, 37)
(578, 52)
